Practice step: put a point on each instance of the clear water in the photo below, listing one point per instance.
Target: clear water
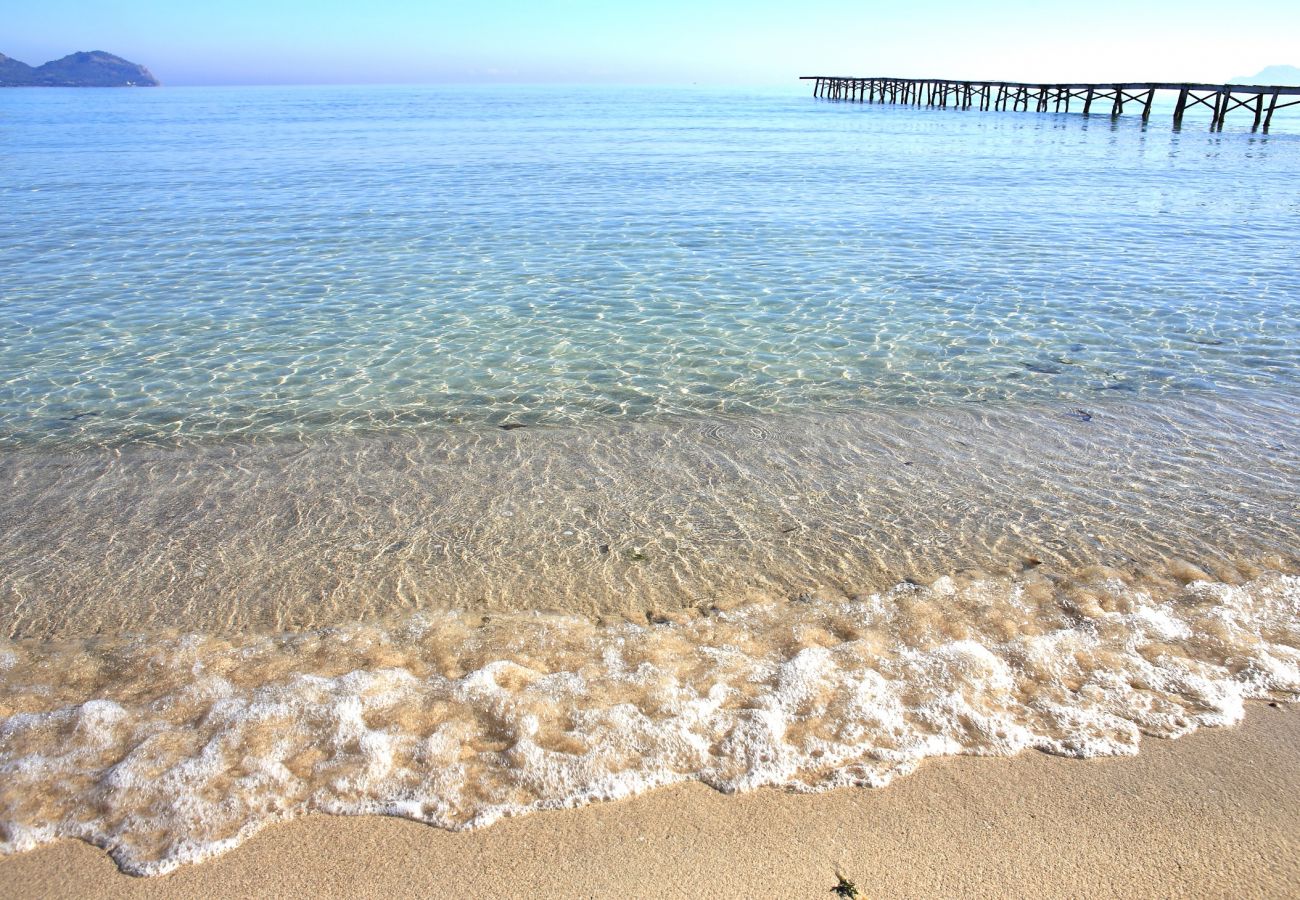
(851, 436)
(204, 263)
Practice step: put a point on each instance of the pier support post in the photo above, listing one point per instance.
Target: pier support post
(1087, 103)
(1146, 107)
(1259, 110)
(1180, 107)
(1220, 108)
(1272, 105)
(1118, 108)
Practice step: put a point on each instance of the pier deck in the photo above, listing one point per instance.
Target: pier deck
(1260, 100)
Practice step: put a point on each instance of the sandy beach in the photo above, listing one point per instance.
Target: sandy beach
(1216, 814)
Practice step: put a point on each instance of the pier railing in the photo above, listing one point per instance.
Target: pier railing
(1220, 99)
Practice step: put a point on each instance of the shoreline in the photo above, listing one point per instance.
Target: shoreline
(1215, 813)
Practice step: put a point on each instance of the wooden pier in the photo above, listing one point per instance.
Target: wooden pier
(1260, 100)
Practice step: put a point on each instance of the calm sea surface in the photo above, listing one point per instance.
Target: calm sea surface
(201, 263)
(454, 453)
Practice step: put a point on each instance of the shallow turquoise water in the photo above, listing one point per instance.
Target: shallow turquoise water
(212, 262)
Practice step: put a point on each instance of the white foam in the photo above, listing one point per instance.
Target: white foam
(184, 757)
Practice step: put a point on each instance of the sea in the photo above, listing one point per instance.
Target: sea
(457, 452)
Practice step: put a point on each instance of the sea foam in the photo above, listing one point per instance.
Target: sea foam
(168, 750)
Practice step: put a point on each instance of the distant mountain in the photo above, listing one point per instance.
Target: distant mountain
(93, 69)
(14, 72)
(1275, 75)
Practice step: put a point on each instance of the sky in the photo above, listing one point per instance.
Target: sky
(664, 42)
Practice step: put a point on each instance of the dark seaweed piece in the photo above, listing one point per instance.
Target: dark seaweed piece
(845, 888)
(511, 426)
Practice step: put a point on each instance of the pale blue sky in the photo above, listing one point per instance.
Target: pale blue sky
(671, 41)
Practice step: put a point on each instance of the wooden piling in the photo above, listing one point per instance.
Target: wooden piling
(1272, 105)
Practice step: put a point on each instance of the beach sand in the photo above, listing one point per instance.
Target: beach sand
(1216, 814)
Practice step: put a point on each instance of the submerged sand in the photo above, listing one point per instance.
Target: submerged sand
(1216, 814)
(469, 624)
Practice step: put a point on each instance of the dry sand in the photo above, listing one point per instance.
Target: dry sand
(1216, 814)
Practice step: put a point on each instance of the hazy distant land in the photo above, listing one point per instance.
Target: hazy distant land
(88, 69)
(1271, 75)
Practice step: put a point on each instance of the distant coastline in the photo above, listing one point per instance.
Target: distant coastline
(94, 68)
(1283, 75)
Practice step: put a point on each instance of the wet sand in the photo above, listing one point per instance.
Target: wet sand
(1216, 814)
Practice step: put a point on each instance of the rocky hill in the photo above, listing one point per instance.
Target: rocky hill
(93, 69)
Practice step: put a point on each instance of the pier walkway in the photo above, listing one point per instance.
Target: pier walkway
(1260, 100)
